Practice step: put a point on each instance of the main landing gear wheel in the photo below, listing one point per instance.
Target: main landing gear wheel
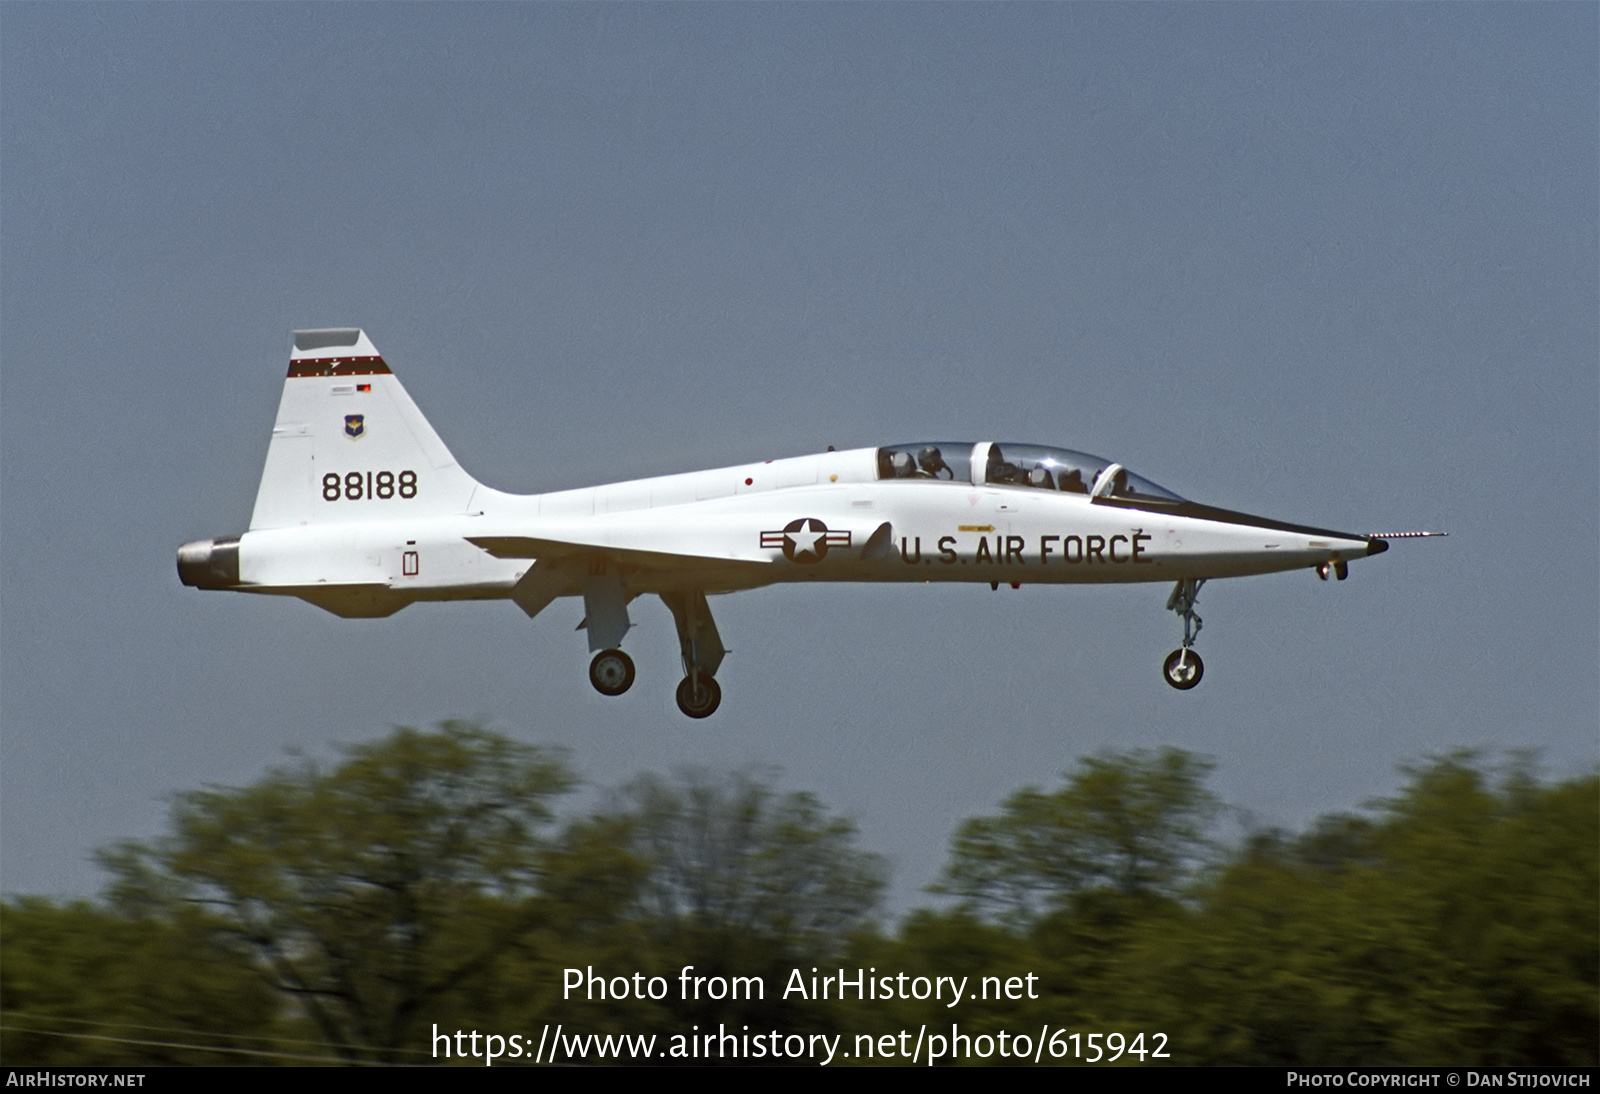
(699, 695)
(611, 672)
(1183, 669)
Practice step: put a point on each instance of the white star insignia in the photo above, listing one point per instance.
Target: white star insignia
(805, 540)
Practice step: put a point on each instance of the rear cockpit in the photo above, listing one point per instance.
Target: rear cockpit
(1028, 465)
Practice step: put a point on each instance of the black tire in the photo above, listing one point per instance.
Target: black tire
(611, 672)
(699, 696)
(1183, 670)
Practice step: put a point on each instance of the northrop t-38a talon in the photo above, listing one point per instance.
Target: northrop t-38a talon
(362, 510)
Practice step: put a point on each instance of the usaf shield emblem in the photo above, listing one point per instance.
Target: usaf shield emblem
(355, 425)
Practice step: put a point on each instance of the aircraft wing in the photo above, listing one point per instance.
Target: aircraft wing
(535, 547)
(563, 567)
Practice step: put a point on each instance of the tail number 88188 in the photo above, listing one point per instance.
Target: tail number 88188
(356, 485)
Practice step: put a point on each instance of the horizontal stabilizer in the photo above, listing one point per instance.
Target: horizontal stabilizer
(545, 580)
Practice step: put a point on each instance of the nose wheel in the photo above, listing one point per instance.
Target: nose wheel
(1183, 667)
(699, 695)
(611, 672)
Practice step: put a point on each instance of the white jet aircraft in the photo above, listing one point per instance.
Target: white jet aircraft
(362, 510)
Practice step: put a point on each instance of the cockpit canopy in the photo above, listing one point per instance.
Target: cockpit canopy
(1007, 464)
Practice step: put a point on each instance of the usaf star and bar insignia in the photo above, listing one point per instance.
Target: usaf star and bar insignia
(805, 540)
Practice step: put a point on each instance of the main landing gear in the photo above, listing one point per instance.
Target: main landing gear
(611, 672)
(1183, 667)
(699, 695)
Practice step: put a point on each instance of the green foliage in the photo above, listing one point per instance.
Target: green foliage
(83, 986)
(731, 858)
(423, 879)
(366, 891)
(1460, 926)
(1459, 923)
(722, 873)
(1133, 823)
(946, 943)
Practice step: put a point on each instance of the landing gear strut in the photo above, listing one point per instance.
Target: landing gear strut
(698, 694)
(611, 672)
(1183, 667)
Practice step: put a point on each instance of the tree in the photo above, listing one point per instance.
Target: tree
(1457, 925)
(1131, 824)
(368, 891)
(81, 986)
(731, 857)
(720, 872)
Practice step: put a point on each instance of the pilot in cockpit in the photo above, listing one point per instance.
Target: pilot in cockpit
(932, 462)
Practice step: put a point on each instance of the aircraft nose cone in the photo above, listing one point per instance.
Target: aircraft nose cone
(1377, 546)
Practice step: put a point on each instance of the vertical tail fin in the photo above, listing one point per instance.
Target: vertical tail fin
(349, 444)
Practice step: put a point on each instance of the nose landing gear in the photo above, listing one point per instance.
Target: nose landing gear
(1183, 667)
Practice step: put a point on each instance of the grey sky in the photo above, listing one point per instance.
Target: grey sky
(1329, 263)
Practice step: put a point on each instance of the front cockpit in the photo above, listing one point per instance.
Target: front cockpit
(1027, 465)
